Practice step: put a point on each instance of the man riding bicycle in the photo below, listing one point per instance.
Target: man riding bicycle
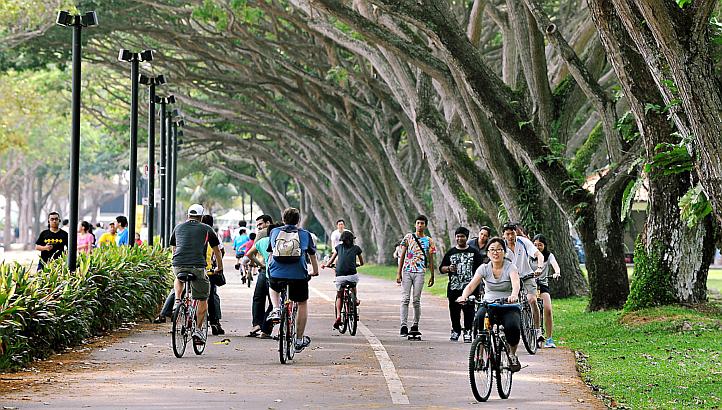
(188, 242)
(289, 246)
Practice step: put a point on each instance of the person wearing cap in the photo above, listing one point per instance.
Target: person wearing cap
(523, 253)
(188, 241)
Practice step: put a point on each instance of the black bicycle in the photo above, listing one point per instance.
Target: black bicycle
(184, 320)
(489, 356)
(349, 310)
(528, 332)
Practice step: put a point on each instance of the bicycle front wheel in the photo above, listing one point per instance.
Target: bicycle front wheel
(180, 332)
(282, 336)
(352, 313)
(503, 372)
(198, 349)
(480, 375)
(528, 333)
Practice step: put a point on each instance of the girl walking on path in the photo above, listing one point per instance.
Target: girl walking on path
(543, 281)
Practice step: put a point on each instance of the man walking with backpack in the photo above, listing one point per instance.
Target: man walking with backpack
(289, 246)
(417, 256)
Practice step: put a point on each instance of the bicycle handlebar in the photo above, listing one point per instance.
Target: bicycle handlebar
(502, 301)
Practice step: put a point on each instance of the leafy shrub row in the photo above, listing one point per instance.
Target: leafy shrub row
(47, 311)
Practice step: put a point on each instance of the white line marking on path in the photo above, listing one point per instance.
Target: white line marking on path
(393, 381)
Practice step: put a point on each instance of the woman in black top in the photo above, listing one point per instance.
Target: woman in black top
(346, 252)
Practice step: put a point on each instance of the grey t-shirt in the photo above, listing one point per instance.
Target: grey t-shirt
(190, 239)
(496, 288)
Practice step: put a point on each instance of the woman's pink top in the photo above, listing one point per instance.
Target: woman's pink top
(85, 243)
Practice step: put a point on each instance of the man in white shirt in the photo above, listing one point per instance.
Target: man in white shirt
(336, 235)
(521, 251)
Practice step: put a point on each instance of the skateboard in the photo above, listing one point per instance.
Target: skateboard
(414, 335)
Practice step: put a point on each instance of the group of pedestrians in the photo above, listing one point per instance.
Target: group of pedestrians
(53, 241)
(494, 266)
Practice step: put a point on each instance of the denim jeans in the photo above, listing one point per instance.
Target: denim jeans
(259, 311)
(411, 280)
(214, 306)
(168, 305)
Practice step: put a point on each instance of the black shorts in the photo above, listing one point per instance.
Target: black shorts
(297, 288)
(543, 288)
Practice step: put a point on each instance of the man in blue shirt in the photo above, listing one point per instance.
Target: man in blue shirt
(121, 237)
(289, 246)
(238, 243)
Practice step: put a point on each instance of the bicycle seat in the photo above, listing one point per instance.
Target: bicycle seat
(186, 277)
(349, 285)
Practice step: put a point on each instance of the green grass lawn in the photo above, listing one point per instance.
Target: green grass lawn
(661, 358)
(714, 280)
(714, 277)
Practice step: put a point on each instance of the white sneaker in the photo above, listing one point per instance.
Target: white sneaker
(275, 315)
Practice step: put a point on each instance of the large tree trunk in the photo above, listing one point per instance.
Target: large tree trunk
(7, 229)
(676, 43)
(571, 283)
(669, 266)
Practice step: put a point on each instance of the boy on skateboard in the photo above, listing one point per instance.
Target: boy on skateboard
(417, 256)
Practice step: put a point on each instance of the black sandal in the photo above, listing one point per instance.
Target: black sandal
(254, 333)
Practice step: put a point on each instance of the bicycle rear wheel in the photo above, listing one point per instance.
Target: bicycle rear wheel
(352, 313)
(291, 338)
(344, 313)
(282, 335)
(528, 333)
(503, 372)
(480, 375)
(180, 333)
(198, 349)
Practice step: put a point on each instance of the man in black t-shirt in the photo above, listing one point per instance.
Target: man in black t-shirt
(460, 263)
(189, 241)
(52, 242)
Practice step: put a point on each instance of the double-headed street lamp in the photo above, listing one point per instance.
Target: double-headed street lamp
(164, 144)
(151, 82)
(134, 59)
(77, 22)
(173, 177)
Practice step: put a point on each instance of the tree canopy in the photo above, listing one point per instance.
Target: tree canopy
(470, 112)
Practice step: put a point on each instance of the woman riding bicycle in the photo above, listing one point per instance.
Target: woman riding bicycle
(346, 252)
(501, 281)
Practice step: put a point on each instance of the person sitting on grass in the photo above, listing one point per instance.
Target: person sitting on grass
(346, 252)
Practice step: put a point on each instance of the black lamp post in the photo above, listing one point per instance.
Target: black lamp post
(166, 151)
(151, 82)
(77, 22)
(162, 171)
(174, 171)
(134, 59)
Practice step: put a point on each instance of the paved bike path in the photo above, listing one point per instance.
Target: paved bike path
(341, 371)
